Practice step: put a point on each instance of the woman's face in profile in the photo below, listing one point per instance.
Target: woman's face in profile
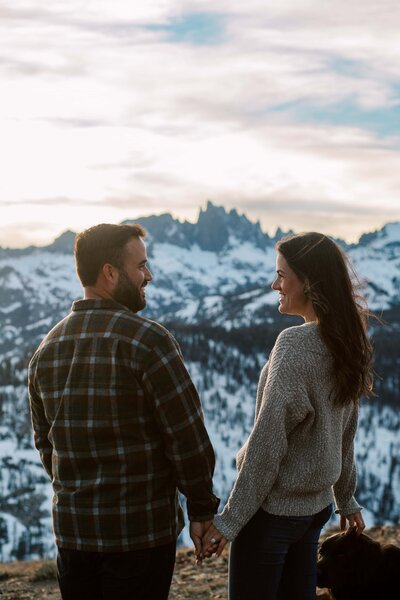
(292, 299)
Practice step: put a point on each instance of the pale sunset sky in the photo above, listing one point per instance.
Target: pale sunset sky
(288, 111)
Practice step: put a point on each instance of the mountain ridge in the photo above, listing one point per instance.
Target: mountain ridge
(164, 227)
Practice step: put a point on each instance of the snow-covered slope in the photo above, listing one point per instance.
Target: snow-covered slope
(226, 380)
(225, 281)
(377, 260)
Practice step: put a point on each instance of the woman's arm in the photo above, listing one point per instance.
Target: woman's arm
(345, 486)
(285, 403)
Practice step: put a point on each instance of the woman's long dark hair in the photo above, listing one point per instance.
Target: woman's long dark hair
(341, 311)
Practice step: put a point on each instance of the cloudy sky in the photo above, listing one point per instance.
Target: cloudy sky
(288, 111)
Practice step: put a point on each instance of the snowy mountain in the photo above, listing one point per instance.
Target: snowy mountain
(212, 288)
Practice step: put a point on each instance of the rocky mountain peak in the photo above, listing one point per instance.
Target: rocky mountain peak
(388, 235)
(216, 226)
(64, 243)
(165, 229)
(212, 232)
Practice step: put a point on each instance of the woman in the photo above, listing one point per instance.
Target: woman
(299, 457)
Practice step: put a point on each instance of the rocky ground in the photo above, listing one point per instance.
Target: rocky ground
(37, 580)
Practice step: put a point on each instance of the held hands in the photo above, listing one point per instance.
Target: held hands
(207, 540)
(197, 531)
(213, 542)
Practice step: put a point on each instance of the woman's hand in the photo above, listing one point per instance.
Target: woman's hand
(213, 542)
(355, 521)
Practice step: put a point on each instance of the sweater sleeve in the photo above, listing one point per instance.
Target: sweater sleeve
(284, 404)
(345, 486)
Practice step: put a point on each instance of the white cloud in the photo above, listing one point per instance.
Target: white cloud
(95, 106)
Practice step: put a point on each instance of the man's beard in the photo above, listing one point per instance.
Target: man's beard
(128, 294)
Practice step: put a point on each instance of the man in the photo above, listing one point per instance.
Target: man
(119, 427)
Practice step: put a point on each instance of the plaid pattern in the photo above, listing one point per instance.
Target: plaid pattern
(119, 427)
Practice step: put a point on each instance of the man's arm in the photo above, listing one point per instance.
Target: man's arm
(40, 426)
(178, 411)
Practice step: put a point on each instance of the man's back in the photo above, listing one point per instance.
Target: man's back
(119, 426)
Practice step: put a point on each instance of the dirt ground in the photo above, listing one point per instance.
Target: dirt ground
(36, 580)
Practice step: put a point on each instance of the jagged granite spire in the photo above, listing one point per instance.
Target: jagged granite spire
(213, 231)
(216, 228)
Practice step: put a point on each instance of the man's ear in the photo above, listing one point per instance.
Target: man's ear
(110, 273)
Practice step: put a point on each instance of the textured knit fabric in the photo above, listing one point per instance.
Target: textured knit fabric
(119, 427)
(299, 457)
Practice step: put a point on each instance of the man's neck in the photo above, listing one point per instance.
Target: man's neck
(95, 293)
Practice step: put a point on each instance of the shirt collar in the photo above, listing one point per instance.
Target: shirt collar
(97, 305)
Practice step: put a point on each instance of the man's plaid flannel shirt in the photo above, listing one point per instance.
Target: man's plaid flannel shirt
(119, 427)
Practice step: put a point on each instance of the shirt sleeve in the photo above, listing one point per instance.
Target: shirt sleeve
(40, 424)
(345, 486)
(179, 414)
(280, 411)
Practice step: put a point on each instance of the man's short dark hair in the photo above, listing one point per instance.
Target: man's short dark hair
(102, 244)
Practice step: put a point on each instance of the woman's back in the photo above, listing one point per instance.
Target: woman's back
(297, 384)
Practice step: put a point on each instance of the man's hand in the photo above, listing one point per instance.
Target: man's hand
(197, 531)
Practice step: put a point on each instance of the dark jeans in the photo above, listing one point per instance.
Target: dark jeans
(275, 558)
(136, 575)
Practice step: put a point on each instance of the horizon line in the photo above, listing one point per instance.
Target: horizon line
(194, 222)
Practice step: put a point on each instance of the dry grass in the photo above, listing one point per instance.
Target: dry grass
(36, 580)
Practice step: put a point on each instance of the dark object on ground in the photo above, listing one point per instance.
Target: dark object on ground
(356, 567)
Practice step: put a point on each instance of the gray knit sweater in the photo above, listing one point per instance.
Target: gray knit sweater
(299, 456)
